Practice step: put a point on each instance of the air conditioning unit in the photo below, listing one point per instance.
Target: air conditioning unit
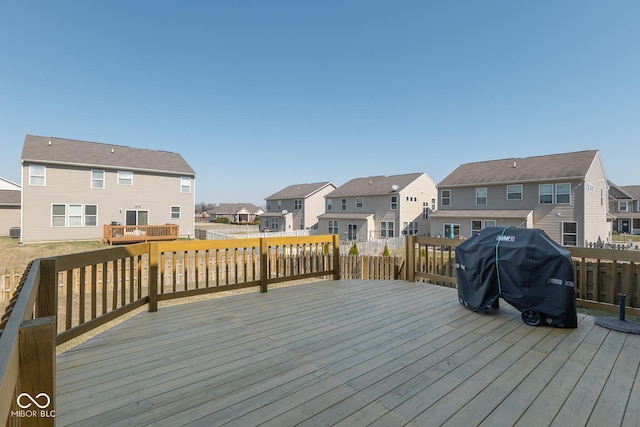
(14, 232)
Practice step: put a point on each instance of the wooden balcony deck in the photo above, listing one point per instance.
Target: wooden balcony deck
(351, 353)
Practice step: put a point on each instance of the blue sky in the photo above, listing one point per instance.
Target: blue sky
(257, 95)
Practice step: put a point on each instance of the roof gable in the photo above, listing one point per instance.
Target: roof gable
(234, 208)
(633, 191)
(40, 149)
(527, 169)
(299, 191)
(374, 185)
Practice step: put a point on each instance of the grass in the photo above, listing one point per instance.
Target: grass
(16, 256)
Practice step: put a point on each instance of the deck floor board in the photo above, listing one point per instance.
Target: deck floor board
(349, 353)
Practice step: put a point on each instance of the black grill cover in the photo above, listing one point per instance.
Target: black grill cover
(525, 267)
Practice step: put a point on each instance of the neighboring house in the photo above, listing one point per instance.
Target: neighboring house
(236, 212)
(10, 194)
(295, 207)
(563, 194)
(380, 207)
(71, 188)
(624, 208)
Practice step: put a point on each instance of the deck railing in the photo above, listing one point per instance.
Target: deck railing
(61, 298)
(599, 274)
(139, 233)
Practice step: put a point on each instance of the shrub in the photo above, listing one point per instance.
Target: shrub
(354, 250)
(386, 252)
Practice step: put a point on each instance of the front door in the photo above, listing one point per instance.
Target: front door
(626, 226)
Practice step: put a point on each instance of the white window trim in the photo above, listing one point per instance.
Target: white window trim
(442, 197)
(184, 179)
(102, 180)
(43, 176)
(120, 177)
(391, 203)
(562, 194)
(521, 192)
(540, 194)
(59, 216)
(359, 202)
(626, 205)
(179, 212)
(563, 233)
(486, 196)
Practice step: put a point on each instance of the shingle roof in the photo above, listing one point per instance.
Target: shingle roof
(49, 150)
(527, 169)
(234, 208)
(374, 185)
(633, 190)
(299, 191)
(10, 197)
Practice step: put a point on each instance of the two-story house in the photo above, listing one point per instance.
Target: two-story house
(295, 207)
(380, 207)
(624, 208)
(10, 195)
(236, 212)
(71, 188)
(563, 194)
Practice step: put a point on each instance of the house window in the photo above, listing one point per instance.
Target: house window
(394, 203)
(451, 231)
(343, 204)
(297, 204)
(481, 197)
(359, 202)
(638, 207)
(97, 179)
(37, 175)
(329, 204)
(445, 198)
(185, 184)
(387, 229)
(352, 232)
(90, 215)
(545, 192)
(563, 194)
(75, 215)
(175, 212)
(301, 224)
(570, 233)
(410, 228)
(425, 210)
(476, 226)
(433, 204)
(333, 226)
(490, 223)
(279, 205)
(268, 205)
(623, 206)
(125, 178)
(514, 192)
(58, 215)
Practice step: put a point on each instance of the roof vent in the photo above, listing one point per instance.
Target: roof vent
(514, 164)
(49, 143)
(112, 150)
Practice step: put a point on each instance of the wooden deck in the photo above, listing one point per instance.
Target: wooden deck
(351, 353)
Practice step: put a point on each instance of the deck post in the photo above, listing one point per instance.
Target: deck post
(153, 276)
(37, 391)
(336, 257)
(47, 297)
(410, 257)
(264, 264)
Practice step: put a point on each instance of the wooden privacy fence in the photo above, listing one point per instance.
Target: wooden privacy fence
(372, 267)
(9, 281)
(599, 274)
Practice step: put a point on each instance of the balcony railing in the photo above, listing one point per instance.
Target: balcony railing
(61, 298)
(139, 233)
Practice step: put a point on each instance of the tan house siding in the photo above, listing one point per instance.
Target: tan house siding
(9, 218)
(155, 188)
(71, 186)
